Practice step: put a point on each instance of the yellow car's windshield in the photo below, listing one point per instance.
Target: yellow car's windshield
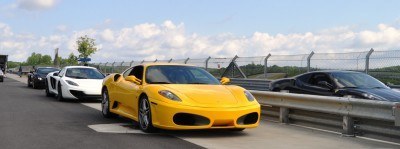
(170, 74)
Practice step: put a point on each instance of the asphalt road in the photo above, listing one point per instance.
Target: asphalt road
(28, 119)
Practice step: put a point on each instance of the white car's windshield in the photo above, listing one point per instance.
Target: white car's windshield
(84, 73)
(178, 75)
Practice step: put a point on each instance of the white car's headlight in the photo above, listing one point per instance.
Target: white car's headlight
(248, 95)
(71, 83)
(169, 95)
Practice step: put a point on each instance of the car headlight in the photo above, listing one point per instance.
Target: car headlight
(39, 78)
(249, 96)
(72, 83)
(169, 95)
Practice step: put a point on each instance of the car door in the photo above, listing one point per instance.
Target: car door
(130, 92)
(56, 80)
(312, 86)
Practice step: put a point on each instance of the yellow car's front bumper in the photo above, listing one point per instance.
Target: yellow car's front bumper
(174, 117)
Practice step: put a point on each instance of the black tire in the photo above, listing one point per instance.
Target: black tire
(105, 105)
(34, 86)
(29, 82)
(144, 116)
(59, 93)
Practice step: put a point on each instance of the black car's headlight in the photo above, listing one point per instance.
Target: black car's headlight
(169, 95)
(40, 79)
(248, 95)
(71, 83)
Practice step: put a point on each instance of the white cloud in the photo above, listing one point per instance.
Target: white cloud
(34, 5)
(169, 40)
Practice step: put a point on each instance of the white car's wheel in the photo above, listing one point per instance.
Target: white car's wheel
(59, 93)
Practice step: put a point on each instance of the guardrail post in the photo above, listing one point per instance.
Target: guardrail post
(309, 61)
(284, 115)
(396, 112)
(367, 60)
(186, 60)
(348, 126)
(112, 67)
(207, 62)
(130, 65)
(170, 60)
(266, 64)
(105, 67)
(284, 112)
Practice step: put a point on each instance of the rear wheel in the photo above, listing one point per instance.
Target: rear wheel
(59, 93)
(105, 105)
(145, 122)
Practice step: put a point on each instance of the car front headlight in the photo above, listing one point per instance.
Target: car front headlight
(248, 95)
(39, 78)
(71, 83)
(169, 95)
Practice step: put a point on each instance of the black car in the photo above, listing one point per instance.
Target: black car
(36, 79)
(337, 83)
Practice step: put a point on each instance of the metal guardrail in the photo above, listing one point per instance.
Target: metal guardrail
(349, 115)
(251, 84)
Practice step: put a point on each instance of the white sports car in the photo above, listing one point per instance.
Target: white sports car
(74, 82)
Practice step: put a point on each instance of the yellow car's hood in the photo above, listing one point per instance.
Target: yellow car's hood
(205, 95)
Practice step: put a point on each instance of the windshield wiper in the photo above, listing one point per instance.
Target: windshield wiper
(159, 83)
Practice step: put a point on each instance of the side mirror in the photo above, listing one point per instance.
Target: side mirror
(325, 84)
(55, 74)
(225, 80)
(133, 79)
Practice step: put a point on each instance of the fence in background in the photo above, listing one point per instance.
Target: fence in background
(383, 65)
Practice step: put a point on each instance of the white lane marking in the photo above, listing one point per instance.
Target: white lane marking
(115, 128)
(376, 140)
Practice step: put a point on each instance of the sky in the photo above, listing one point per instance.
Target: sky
(127, 30)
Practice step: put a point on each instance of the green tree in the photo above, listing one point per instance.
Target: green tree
(72, 59)
(86, 46)
(45, 60)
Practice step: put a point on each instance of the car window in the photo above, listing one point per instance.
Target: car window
(317, 77)
(46, 70)
(137, 71)
(84, 73)
(304, 78)
(178, 75)
(356, 80)
(126, 72)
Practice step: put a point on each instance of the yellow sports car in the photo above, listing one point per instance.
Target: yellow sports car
(175, 96)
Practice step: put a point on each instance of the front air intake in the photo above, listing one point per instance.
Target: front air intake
(186, 119)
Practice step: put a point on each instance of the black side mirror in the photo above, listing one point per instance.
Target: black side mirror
(325, 84)
(55, 74)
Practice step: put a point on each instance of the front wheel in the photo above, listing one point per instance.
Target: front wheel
(29, 83)
(105, 105)
(145, 122)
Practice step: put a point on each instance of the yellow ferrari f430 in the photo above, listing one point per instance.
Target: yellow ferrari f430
(176, 96)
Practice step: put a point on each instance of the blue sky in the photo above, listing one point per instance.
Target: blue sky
(205, 18)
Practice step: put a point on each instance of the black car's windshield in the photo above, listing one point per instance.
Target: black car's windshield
(84, 73)
(46, 70)
(356, 80)
(171, 74)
